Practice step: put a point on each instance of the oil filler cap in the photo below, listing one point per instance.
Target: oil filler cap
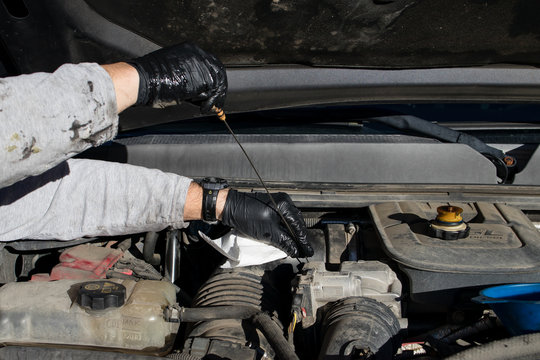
(100, 295)
(449, 224)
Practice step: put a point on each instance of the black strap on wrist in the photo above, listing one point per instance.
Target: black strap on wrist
(211, 187)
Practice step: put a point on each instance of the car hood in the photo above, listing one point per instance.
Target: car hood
(365, 33)
(284, 53)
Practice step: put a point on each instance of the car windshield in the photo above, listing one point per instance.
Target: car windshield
(365, 33)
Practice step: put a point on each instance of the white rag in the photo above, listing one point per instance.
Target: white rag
(241, 251)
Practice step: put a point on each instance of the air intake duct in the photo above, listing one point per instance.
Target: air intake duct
(236, 338)
(359, 328)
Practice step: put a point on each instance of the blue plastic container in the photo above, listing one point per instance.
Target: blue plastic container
(517, 305)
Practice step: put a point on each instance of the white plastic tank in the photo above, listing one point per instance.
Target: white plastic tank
(50, 313)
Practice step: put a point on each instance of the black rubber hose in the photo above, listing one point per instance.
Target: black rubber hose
(275, 337)
(217, 313)
(261, 320)
(439, 333)
(483, 324)
(524, 347)
(412, 123)
(149, 248)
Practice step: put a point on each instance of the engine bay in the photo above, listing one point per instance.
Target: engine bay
(415, 165)
(384, 283)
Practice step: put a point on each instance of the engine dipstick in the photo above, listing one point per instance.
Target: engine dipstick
(221, 115)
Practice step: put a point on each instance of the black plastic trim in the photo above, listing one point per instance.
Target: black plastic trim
(266, 88)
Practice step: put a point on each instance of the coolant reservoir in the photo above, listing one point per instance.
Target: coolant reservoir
(127, 315)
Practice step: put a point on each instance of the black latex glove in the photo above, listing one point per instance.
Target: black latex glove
(182, 72)
(253, 215)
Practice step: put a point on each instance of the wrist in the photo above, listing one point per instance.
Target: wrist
(221, 200)
(212, 187)
(193, 204)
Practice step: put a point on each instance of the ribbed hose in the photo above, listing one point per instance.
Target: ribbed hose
(237, 288)
(182, 356)
(217, 313)
(359, 325)
(524, 347)
(223, 311)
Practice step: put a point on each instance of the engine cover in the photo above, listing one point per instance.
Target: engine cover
(503, 246)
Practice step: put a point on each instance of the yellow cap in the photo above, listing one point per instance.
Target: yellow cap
(449, 214)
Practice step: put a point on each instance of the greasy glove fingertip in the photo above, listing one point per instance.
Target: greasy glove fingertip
(305, 248)
(287, 244)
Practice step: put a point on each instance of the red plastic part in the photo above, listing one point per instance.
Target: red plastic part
(83, 262)
(126, 271)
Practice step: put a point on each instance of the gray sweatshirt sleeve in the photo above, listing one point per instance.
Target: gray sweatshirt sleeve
(47, 118)
(83, 197)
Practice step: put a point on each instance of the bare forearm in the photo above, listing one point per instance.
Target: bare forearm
(126, 84)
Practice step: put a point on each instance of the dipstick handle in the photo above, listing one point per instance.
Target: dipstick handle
(219, 112)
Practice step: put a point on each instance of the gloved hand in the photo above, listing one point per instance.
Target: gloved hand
(182, 72)
(253, 215)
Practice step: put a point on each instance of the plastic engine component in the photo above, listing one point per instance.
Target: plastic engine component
(228, 338)
(317, 287)
(47, 313)
(59, 353)
(517, 305)
(82, 262)
(359, 328)
(100, 295)
(502, 246)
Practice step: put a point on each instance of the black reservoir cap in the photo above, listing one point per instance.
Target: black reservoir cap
(100, 295)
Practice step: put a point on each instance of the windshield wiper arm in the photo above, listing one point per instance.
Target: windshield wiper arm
(501, 160)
